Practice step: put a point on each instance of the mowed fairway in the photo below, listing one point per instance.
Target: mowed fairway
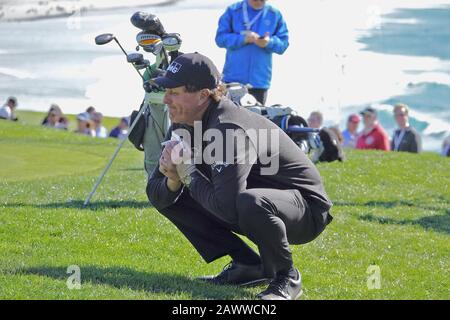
(391, 210)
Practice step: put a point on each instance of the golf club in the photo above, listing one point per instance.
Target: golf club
(172, 42)
(152, 36)
(148, 22)
(137, 59)
(154, 44)
(106, 38)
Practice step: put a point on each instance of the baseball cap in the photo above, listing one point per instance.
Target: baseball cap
(192, 69)
(368, 110)
(354, 118)
(125, 120)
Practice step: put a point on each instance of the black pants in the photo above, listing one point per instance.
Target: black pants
(259, 94)
(270, 218)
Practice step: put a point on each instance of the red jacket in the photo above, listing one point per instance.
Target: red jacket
(376, 139)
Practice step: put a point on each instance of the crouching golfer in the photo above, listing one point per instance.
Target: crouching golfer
(261, 187)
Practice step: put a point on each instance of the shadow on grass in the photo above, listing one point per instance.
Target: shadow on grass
(438, 223)
(133, 169)
(78, 204)
(98, 205)
(127, 278)
(398, 203)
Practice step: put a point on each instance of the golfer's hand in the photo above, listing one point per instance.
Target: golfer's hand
(181, 156)
(166, 165)
(180, 152)
(251, 37)
(263, 42)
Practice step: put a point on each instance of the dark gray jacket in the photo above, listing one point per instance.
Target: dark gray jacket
(217, 186)
(411, 141)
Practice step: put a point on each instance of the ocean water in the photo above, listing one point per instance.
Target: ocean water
(46, 59)
(340, 60)
(423, 32)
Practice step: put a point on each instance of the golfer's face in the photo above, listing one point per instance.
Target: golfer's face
(183, 106)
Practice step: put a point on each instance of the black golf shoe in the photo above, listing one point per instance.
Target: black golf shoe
(283, 288)
(238, 275)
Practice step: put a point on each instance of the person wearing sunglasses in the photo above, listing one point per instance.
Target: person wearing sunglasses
(251, 31)
(405, 138)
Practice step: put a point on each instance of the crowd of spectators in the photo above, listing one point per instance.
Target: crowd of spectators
(373, 136)
(89, 122)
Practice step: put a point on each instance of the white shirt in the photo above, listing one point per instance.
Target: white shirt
(5, 112)
(101, 132)
(123, 134)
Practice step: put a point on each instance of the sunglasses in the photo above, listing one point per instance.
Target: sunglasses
(400, 114)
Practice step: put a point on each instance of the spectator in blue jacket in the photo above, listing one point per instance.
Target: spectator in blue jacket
(251, 31)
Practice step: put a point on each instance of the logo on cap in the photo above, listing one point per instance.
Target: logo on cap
(174, 67)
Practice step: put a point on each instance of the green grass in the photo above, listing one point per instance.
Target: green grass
(391, 209)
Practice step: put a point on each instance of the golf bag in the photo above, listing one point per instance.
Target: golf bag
(290, 121)
(136, 136)
(152, 126)
(322, 143)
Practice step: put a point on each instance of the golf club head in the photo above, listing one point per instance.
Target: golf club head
(172, 42)
(142, 65)
(135, 57)
(148, 22)
(150, 42)
(151, 86)
(104, 39)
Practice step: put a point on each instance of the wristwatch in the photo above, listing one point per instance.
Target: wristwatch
(184, 172)
(187, 180)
